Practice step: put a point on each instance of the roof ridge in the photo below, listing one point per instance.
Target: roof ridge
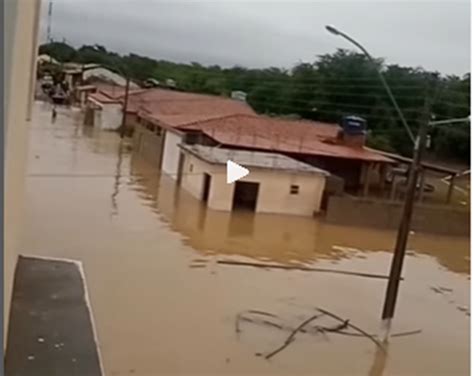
(217, 117)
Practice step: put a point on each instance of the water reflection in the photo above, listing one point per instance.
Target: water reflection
(279, 238)
(380, 361)
(117, 176)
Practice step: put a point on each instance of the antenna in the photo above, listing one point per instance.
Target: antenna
(49, 38)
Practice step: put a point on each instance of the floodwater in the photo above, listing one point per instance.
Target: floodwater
(163, 306)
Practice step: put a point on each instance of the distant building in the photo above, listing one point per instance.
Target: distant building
(46, 59)
(157, 114)
(103, 105)
(151, 82)
(276, 183)
(169, 82)
(239, 95)
(105, 75)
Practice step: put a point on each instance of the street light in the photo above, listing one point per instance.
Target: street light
(339, 33)
(404, 227)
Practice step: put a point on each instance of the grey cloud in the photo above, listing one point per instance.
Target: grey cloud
(431, 34)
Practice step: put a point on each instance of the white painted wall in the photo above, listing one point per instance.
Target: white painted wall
(111, 117)
(171, 154)
(274, 191)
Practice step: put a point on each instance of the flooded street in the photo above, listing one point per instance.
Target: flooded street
(163, 306)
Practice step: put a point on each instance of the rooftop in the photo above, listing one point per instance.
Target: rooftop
(283, 136)
(249, 159)
(159, 102)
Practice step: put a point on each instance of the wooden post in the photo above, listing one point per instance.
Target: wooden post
(450, 189)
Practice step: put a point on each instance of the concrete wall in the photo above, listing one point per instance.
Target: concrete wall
(148, 145)
(444, 220)
(274, 191)
(111, 118)
(22, 31)
(171, 153)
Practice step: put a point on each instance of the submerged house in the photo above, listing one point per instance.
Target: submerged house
(326, 146)
(103, 105)
(158, 115)
(276, 184)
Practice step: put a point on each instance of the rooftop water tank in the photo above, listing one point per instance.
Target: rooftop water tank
(354, 125)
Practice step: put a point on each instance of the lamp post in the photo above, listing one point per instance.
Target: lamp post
(339, 33)
(404, 227)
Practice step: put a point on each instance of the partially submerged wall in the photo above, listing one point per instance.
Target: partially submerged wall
(439, 219)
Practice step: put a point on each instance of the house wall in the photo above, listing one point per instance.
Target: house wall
(171, 154)
(148, 144)
(131, 121)
(348, 169)
(274, 191)
(21, 33)
(111, 117)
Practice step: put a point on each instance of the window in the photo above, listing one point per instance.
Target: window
(191, 167)
(158, 131)
(294, 189)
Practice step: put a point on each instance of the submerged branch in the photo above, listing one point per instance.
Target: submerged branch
(302, 268)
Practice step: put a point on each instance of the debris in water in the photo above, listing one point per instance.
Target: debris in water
(343, 327)
(291, 337)
(372, 338)
(40, 339)
(31, 357)
(302, 268)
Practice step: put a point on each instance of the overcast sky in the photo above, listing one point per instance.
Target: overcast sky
(431, 34)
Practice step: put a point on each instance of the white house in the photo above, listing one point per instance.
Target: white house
(103, 112)
(276, 183)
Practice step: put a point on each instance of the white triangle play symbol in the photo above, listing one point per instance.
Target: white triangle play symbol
(235, 172)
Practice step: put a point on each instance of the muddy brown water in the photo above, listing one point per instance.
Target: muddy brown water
(163, 306)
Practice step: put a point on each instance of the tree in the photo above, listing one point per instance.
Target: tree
(60, 51)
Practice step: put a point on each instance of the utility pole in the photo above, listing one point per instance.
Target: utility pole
(49, 38)
(404, 228)
(125, 106)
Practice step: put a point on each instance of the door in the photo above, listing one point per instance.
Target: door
(206, 186)
(245, 195)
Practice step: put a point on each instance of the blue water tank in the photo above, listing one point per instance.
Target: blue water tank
(354, 125)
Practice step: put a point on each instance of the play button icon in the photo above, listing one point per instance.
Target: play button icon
(235, 172)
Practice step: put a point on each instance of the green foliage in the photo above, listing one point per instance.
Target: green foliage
(380, 142)
(338, 84)
(60, 51)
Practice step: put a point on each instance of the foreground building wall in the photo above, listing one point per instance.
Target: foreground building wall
(274, 190)
(21, 31)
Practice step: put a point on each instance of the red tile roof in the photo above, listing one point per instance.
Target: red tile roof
(176, 121)
(170, 103)
(102, 98)
(281, 135)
